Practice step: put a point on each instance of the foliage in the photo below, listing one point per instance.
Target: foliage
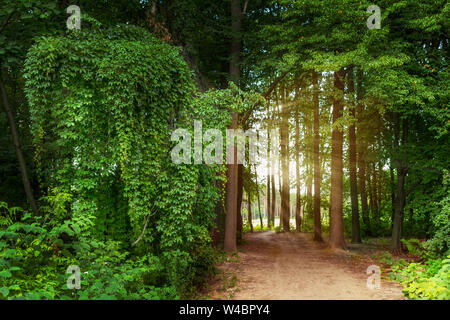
(83, 104)
(111, 174)
(429, 280)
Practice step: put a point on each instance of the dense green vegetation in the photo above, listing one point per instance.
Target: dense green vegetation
(86, 174)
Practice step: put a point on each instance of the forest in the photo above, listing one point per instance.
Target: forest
(120, 177)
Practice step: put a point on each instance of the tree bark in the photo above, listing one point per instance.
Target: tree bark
(400, 199)
(336, 198)
(369, 178)
(274, 156)
(274, 197)
(391, 172)
(231, 199)
(18, 148)
(356, 236)
(239, 222)
(298, 203)
(317, 175)
(375, 192)
(269, 208)
(284, 142)
(259, 201)
(361, 155)
(379, 186)
(249, 206)
(232, 169)
(235, 53)
(280, 214)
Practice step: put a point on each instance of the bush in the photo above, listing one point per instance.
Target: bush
(429, 281)
(421, 281)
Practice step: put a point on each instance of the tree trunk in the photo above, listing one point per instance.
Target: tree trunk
(269, 208)
(298, 204)
(232, 169)
(284, 143)
(336, 197)
(274, 197)
(375, 192)
(239, 222)
(235, 53)
(249, 206)
(273, 157)
(231, 199)
(280, 214)
(18, 148)
(317, 176)
(356, 237)
(400, 199)
(380, 186)
(259, 201)
(391, 171)
(370, 189)
(361, 156)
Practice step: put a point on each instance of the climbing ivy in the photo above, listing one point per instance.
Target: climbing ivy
(103, 104)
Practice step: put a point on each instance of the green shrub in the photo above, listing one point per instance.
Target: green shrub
(421, 281)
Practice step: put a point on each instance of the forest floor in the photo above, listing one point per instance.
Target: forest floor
(291, 266)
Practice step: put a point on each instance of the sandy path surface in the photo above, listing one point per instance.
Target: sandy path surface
(291, 266)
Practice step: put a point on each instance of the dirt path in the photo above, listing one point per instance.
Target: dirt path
(291, 266)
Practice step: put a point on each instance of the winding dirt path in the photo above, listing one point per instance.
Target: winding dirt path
(291, 266)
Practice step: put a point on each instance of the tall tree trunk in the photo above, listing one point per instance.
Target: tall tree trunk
(336, 197)
(279, 156)
(273, 158)
(235, 53)
(18, 149)
(269, 208)
(380, 187)
(361, 155)
(232, 169)
(298, 204)
(375, 192)
(391, 171)
(268, 196)
(284, 143)
(259, 201)
(249, 206)
(309, 163)
(356, 236)
(231, 199)
(317, 176)
(274, 197)
(400, 199)
(370, 188)
(239, 222)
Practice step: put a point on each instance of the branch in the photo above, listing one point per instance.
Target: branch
(265, 95)
(245, 7)
(143, 230)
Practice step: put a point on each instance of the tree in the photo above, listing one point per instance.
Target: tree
(249, 211)
(336, 196)
(232, 169)
(317, 176)
(356, 237)
(284, 144)
(361, 151)
(298, 222)
(17, 28)
(268, 194)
